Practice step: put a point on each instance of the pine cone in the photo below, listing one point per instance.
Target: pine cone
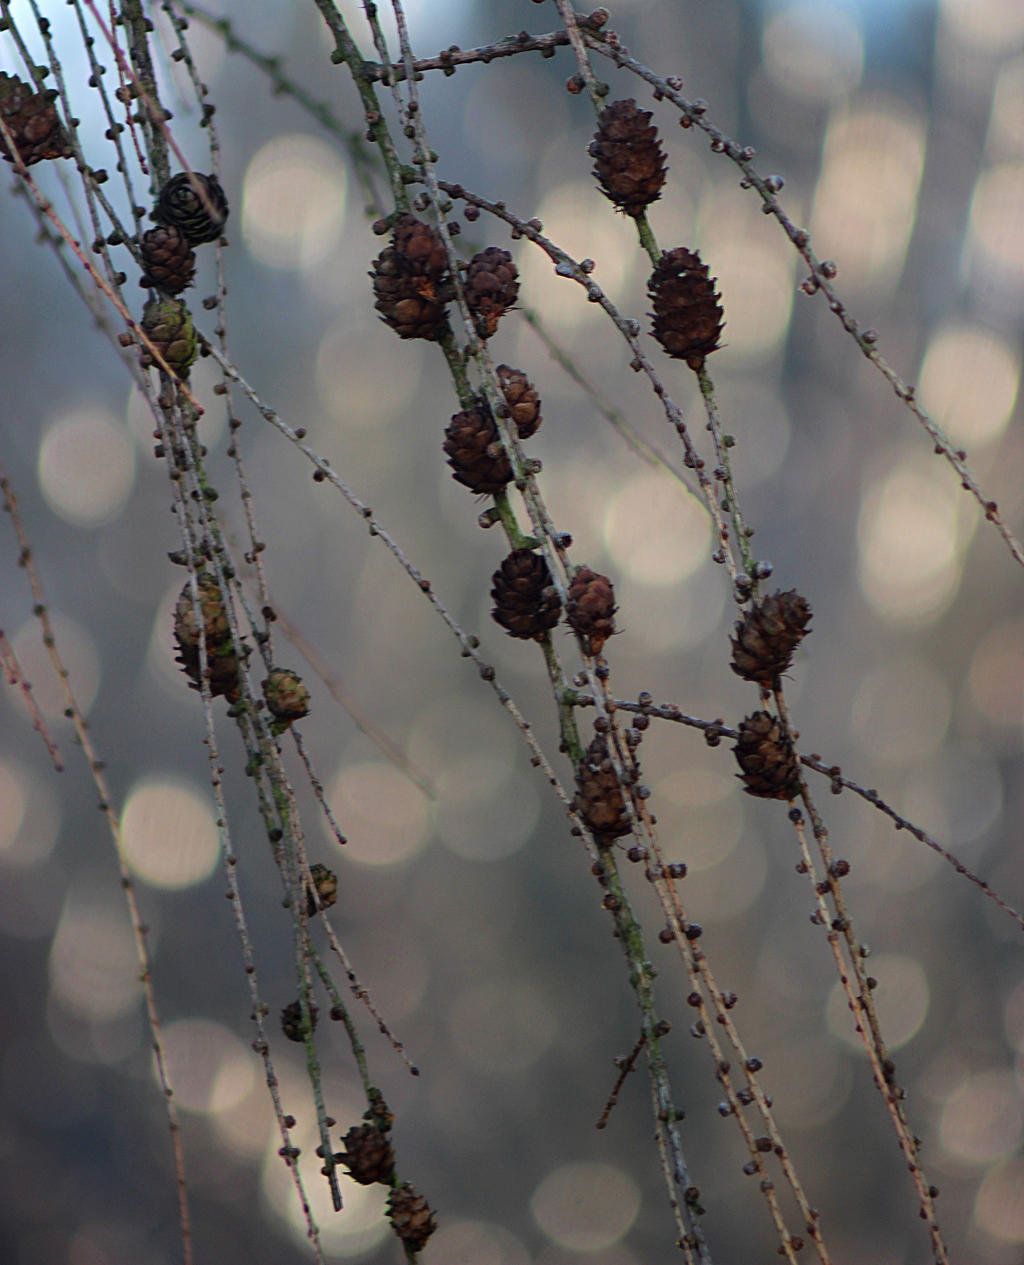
(221, 660)
(168, 259)
(195, 204)
(475, 453)
(291, 1020)
(522, 400)
(368, 1155)
(411, 1218)
(423, 257)
(767, 636)
(492, 286)
(526, 603)
(688, 315)
(591, 609)
(768, 763)
(286, 696)
(33, 122)
(630, 165)
(402, 301)
(326, 883)
(169, 327)
(599, 800)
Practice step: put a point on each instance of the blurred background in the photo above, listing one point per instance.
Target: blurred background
(465, 906)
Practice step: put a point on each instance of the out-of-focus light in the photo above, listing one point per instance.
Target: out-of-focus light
(999, 1207)
(470, 816)
(1006, 122)
(656, 532)
(984, 1119)
(293, 207)
(357, 378)
(711, 811)
(901, 1001)
(911, 531)
(169, 836)
(996, 228)
(585, 1207)
(969, 381)
(477, 1243)
(992, 26)
(501, 1027)
(209, 1068)
(94, 968)
(866, 198)
(901, 711)
(86, 467)
(996, 676)
(382, 813)
(813, 52)
(79, 655)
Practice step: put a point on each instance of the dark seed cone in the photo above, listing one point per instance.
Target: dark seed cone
(168, 326)
(195, 204)
(630, 166)
(526, 603)
(326, 883)
(423, 256)
(688, 316)
(221, 660)
(410, 303)
(367, 1155)
(291, 1020)
(591, 609)
(767, 636)
(475, 453)
(33, 122)
(410, 1215)
(168, 259)
(599, 800)
(768, 763)
(492, 286)
(522, 400)
(286, 696)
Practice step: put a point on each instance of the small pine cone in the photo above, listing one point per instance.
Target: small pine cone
(410, 1215)
(492, 286)
(326, 883)
(291, 1020)
(195, 204)
(214, 614)
(367, 1155)
(599, 800)
(168, 326)
(768, 763)
(475, 453)
(168, 259)
(526, 602)
(688, 315)
(423, 256)
(33, 122)
(591, 609)
(522, 400)
(401, 302)
(286, 696)
(767, 636)
(630, 163)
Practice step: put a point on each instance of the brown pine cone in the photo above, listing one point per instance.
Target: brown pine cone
(33, 122)
(168, 326)
(599, 799)
(475, 453)
(630, 163)
(522, 400)
(768, 763)
(688, 315)
(367, 1155)
(326, 883)
(410, 1215)
(286, 696)
(591, 609)
(767, 636)
(168, 259)
(492, 286)
(423, 256)
(194, 204)
(221, 660)
(400, 299)
(526, 603)
(291, 1020)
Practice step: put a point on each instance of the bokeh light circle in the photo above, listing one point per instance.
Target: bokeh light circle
(86, 467)
(168, 832)
(293, 207)
(585, 1207)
